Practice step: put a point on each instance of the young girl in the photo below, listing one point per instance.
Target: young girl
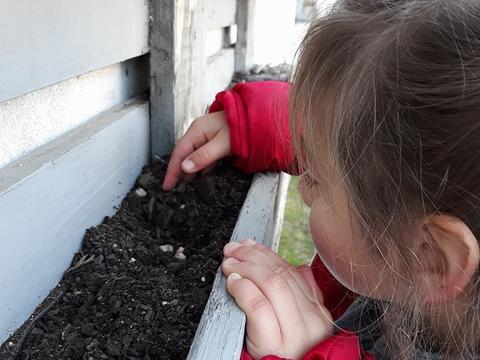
(384, 113)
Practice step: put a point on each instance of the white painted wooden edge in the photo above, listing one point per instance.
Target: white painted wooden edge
(280, 204)
(49, 198)
(220, 333)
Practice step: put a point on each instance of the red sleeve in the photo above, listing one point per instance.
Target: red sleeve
(257, 114)
(341, 346)
(336, 297)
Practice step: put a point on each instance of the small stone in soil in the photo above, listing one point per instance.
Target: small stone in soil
(179, 253)
(140, 193)
(146, 179)
(87, 329)
(166, 248)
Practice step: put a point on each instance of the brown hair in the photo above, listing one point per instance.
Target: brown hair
(393, 88)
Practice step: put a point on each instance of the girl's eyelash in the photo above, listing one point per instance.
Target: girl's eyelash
(309, 180)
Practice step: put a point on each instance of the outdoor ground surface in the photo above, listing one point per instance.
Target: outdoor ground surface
(296, 245)
(132, 293)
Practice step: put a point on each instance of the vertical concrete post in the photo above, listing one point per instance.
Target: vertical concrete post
(177, 66)
(245, 35)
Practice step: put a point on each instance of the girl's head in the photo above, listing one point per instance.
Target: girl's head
(386, 113)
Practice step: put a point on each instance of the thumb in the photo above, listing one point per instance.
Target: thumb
(214, 150)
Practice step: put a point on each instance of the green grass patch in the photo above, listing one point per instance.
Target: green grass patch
(296, 245)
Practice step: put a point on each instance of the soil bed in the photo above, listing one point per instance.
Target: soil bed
(138, 287)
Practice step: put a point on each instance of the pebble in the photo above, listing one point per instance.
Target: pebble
(113, 348)
(140, 193)
(146, 179)
(179, 253)
(117, 306)
(126, 341)
(149, 315)
(203, 279)
(166, 248)
(181, 187)
(164, 303)
(87, 329)
(132, 260)
(92, 345)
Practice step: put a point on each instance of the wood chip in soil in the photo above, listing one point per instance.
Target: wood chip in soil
(138, 287)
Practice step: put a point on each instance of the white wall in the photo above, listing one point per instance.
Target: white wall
(277, 37)
(275, 34)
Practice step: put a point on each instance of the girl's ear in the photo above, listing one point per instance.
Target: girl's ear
(448, 256)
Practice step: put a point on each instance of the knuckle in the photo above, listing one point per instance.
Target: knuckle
(201, 155)
(195, 123)
(280, 269)
(258, 305)
(260, 247)
(277, 281)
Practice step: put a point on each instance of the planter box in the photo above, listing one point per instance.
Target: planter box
(220, 333)
(49, 198)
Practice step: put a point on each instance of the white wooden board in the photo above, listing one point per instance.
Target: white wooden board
(220, 333)
(34, 119)
(220, 13)
(49, 198)
(46, 41)
(220, 69)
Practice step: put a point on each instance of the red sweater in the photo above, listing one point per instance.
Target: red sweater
(257, 114)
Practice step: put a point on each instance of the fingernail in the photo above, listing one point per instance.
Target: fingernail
(232, 246)
(230, 261)
(248, 242)
(188, 165)
(234, 277)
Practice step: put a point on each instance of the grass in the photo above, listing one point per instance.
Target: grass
(296, 245)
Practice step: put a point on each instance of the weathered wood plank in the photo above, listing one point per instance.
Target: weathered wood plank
(221, 38)
(220, 333)
(47, 41)
(220, 13)
(245, 34)
(220, 69)
(279, 211)
(178, 64)
(50, 197)
(34, 119)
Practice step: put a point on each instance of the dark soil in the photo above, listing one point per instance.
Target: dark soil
(130, 294)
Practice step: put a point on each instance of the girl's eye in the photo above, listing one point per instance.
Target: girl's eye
(309, 180)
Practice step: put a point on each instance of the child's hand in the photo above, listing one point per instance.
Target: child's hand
(206, 141)
(283, 304)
